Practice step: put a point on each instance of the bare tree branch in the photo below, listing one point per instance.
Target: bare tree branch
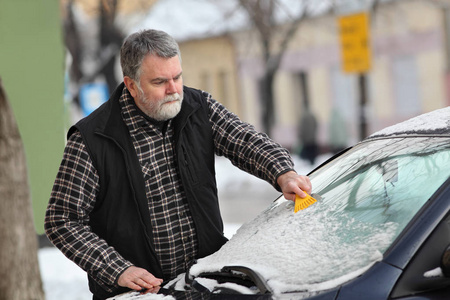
(262, 14)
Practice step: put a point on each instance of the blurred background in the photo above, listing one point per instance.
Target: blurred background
(316, 75)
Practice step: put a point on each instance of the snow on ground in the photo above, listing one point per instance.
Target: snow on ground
(63, 280)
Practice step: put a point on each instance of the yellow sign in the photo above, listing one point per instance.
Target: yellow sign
(355, 43)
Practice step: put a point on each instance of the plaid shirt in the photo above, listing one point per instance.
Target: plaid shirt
(173, 227)
(77, 184)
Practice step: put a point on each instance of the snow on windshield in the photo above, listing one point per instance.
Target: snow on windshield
(435, 121)
(312, 250)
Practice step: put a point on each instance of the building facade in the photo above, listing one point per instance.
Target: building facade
(209, 64)
(409, 63)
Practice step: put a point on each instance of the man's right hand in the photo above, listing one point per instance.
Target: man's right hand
(138, 279)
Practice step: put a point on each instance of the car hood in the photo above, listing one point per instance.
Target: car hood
(302, 252)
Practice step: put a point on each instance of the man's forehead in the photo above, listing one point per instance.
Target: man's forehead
(156, 66)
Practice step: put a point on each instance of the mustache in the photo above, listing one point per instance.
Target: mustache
(172, 97)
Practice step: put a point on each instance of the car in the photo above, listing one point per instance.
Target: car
(380, 228)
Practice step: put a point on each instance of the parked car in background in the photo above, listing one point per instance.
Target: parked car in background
(380, 228)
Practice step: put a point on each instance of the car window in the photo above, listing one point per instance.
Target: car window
(366, 197)
(385, 181)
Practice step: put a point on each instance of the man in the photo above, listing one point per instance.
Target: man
(135, 199)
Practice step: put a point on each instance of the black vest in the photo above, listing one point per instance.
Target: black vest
(120, 215)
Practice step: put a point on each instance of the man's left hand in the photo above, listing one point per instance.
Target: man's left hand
(292, 184)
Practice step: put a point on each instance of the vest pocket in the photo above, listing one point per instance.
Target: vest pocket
(188, 166)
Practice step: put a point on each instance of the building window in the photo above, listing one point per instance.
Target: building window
(223, 88)
(304, 94)
(344, 94)
(406, 86)
(301, 91)
(206, 82)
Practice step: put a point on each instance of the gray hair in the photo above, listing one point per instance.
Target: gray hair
(146, 42)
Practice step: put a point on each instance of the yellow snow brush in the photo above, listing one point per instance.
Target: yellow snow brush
(302, 203)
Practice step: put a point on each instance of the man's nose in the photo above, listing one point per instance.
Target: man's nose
(171, 88)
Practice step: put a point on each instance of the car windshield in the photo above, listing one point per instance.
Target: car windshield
(367, 197)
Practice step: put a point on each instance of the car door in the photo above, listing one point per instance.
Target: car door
(423, 278)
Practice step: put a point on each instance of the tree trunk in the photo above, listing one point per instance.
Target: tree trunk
(19, 266)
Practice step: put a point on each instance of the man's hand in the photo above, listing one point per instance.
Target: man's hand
(291, 184)
(138, 279)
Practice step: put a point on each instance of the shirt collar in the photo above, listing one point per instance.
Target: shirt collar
(133, 116)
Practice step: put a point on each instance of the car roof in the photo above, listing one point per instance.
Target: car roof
(436, 122)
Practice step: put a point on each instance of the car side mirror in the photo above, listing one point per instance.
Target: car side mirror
(445, 262)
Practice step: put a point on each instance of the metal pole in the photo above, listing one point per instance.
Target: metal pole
(362, 106)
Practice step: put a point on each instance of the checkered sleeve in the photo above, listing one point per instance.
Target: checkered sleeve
(248, 149)
(67, 217)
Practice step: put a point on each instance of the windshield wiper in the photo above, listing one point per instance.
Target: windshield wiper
(235, 274)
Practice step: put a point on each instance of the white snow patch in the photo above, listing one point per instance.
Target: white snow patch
(434, 273)
(213, 285)
(432, 121)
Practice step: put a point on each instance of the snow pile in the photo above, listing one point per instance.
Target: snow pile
(437, 121)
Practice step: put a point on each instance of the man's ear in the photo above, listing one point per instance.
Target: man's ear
(131, 86)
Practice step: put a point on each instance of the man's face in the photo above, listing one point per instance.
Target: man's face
(159, 93)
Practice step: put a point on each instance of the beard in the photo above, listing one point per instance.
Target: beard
(161, 109)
